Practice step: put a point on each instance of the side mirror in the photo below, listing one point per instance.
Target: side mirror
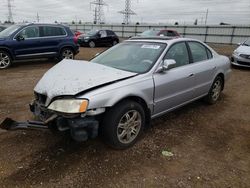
(168, 63)
(19, 38)
(98, 35)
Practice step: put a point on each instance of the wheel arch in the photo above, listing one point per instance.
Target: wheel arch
(142, 102)
(8, 51)
(67, 46)
(223, 79)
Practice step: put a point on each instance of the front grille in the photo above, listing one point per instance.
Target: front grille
(245, 56)
(243, 63)
(40, 98)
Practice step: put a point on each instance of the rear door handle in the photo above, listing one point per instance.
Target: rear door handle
(191, 75)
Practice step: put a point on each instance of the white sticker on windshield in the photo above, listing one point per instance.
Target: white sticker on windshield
(155, 47)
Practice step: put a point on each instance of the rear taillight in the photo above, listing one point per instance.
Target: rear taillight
(75, 39)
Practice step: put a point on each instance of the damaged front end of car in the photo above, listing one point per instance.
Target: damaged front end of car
(59, 103)
(68, 114)
(64, 114)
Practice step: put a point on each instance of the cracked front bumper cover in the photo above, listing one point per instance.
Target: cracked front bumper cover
(10, 124)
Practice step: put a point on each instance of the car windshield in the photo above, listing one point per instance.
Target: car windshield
(138, 57)
(92, 32)
(150, 33)
(9, 31)
(247, 42)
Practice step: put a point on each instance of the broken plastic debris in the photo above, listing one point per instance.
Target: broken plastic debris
(167, 153)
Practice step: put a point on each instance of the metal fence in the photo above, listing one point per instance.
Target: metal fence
(208, 34)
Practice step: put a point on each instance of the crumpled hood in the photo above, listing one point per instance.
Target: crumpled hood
(244, 50)
(70, 77)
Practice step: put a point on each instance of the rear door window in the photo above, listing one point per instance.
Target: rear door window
(103, 33)
(50, 31)
(171, 34)
(198, 51)
(110, 33)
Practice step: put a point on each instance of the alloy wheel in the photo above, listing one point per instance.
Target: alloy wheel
(115, 43)
(129, 127)
(216, 90)
(68, 54)
(4, 60)
(91, 44)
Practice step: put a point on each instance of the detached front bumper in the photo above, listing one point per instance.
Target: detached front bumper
(81, 128)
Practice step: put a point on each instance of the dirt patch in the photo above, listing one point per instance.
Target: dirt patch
(211, 144)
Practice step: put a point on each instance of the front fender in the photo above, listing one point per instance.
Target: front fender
(110, 95)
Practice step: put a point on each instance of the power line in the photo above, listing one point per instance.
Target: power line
(98, 11)
(127, 12)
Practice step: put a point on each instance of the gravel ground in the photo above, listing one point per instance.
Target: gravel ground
(211, 144)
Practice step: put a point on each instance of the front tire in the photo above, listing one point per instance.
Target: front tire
(5, 60)
(123, 124)
(92, 44)
(215, 91)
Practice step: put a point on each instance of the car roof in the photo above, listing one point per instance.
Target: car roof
(166, 40)
(40, 24)
(161, 29)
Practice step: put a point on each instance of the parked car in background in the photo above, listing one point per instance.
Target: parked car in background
(160, 32)
(122, 89)
(241, 56)
(2, 28)
(27, 41)
(98, 38)
(77, 33)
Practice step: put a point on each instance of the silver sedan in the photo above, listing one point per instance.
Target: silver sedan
(122, 89)
(241, 56)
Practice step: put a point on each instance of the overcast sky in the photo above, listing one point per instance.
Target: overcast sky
(149, 11)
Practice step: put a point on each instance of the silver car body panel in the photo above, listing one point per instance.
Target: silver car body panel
(69, 77)
(161, 91)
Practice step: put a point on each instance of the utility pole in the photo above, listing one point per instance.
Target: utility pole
(37, 18)
(206, 17)
(98, 11)
(10, 15)
(127, 12)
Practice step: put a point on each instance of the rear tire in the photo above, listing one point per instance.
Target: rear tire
(215, 91)
(114, 43)
(67, 53)
(5, 60)
(123, 124)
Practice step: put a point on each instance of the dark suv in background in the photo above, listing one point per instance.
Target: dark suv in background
(32, 41)
(95, 38)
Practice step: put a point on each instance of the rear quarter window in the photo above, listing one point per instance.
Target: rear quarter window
(110, 33)
(49, 31)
